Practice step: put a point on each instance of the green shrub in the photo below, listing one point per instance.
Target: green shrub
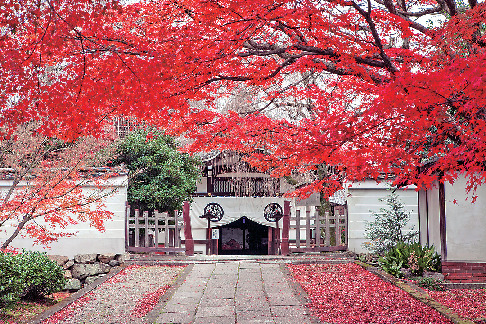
(11, 282)
(422, 258)
(394, 260)
(388, 227)
(161, 177)
(29, 275)
(429, 283)
(41, 275)
(413, 256)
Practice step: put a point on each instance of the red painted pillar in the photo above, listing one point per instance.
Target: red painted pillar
(187, 229)
(284, 246)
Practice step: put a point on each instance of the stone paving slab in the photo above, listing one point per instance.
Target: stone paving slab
(290, 311)
(216, 311)
(252, 316)
(251, 306)
(181, 317)
(217, 302)
(214, 320)
(235, 292)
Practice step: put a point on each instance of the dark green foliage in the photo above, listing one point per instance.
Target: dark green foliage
(387, 229)
(30, 275)
(11, 282)
(41, 275)
(161, 177)
(413, 256)
(393, 261)
(429, 283)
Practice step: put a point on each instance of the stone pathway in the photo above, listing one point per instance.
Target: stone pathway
(235, 292)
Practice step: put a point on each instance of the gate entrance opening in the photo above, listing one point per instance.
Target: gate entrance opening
(243, 236)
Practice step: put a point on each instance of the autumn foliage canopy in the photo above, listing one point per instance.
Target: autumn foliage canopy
(369, 87)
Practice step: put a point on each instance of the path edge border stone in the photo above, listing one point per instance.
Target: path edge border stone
(71, 299)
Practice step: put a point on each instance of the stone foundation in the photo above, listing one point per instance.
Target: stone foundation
(84, 269)
(464, 272)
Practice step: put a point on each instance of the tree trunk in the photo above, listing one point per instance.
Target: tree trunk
(16, 232)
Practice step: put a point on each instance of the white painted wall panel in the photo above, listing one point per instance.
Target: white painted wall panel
(363, 198)
(465, 223)
(434, 217)
(86, 239)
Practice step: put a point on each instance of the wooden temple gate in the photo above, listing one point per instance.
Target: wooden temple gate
(326, 232)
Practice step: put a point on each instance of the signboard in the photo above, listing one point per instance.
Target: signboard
(215, 233)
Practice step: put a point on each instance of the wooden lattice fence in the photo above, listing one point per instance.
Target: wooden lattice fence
(153, 231)
(326, 232)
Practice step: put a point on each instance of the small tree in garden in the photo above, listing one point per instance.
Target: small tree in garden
(46, 177)
(161, 177)
(388, 227)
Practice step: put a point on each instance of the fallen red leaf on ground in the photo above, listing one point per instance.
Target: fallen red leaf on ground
(467, 303)
(347, 293)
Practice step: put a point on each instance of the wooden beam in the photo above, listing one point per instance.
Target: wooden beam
(328, 229)
(442, 222)
(154, 249)
(145, 236)
(137, 228)
(156, 217)
(189, 242)
(127, 226)
(297, 228)
(307, 227)
(284, 245)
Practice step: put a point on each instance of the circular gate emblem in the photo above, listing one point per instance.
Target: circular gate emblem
(273, 212)
(213, 211)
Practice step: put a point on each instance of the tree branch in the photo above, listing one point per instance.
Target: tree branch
(389, 65)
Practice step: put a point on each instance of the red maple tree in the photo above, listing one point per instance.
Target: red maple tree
(370, 87)
(44, 184)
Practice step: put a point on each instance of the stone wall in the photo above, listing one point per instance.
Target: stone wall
(84, 269)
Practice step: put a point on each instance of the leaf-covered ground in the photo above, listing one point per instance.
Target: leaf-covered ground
(125, 298)
(347, 293)
(24, 310)
(467, 303)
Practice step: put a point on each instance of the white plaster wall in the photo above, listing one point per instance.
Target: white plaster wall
(86, 239)
(363, 198)
(422, 208)
(202, 185)
(465, 222)
(433, 217)
(430, 217)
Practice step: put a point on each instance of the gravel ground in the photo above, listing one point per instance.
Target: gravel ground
(124, 298)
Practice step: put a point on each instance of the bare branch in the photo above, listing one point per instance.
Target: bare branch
(451, 6)
(389, 65)
(332, 68)
(424, 12)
